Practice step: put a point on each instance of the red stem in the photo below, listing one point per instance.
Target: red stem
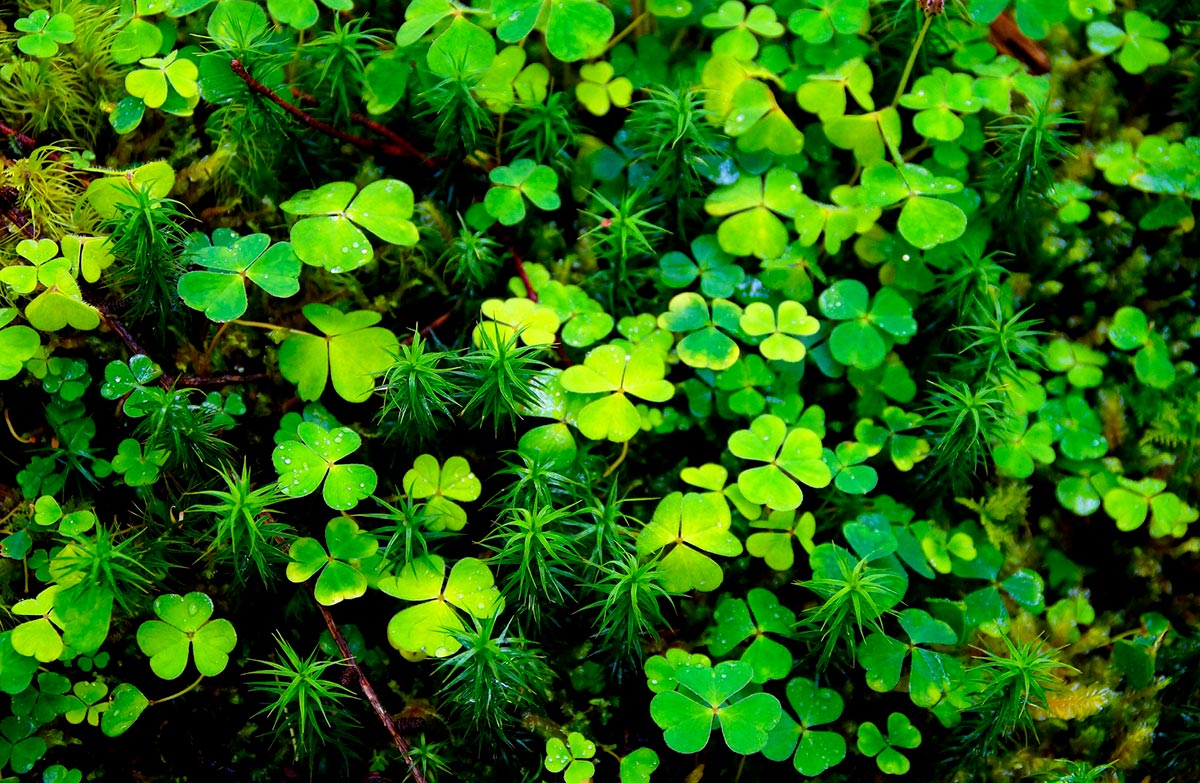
(524, 276)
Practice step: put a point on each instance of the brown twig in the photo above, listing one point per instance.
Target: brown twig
(200, 381)
(398, 150)
(427, 330)
(397, 139)
(24, 140)
(529, 292)
(385, 717)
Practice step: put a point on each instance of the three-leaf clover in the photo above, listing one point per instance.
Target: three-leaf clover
(138, 469)
(1141, 42)
(341, 577)
(442, 484)
(773, 542)
(351, 353)
(1152, 362)
(691, 524)
(598, 91)
(574, 29)
(790, 457)
(571, 756)
(220, 289)
(905, 450)
(43, 32)
(583, 319)
(513, 184)
(816, 25)
(782, 330)
(304, 463)
(17, 344)
(39, 638)
(824, 94)
(751, 208)
(330, 233)
(719, 274)
(849, 474)
(159, 75)
(184, 626)
(534, 322)
(61, 303)
(1131, 501)
(901, 734)
(706, 345)
(429, 627)
(610, 370)
(940, 97)
(932, 673)
(687, 715)
(868, 328)
(736, 620)
(815, 750)
(925, 220)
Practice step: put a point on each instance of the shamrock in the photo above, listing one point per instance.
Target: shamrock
(815, 750)
(598, 91)
(691, 524)
(341, 577)
(571, 756)
(932, 673)
(159, 75)
(719, 275)
(220, 289)
(610, 370)
(706, 344)
(442, 484)
(43, 32)
(792, 321)
(925, 220)
(790, 457)
(329, 233)
(1141, 42)
(687, 715)
(869, 328)
(751, 208)
(1131, 501)
(17, 344)
(351, 353)
(774, 541)
(849, 474)
(513, 184)
(429, 627)
(304, 463)
(184, 626)
(1152, 363)
(535, 323)
(901, 734)
(733, 625)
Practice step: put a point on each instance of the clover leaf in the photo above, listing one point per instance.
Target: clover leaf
(19, 745)
(61, 303)
(849, 474)
(1152, 363)
(351, 353)
(535, 323)
(442, 484)
(792, 321)
(303, 464)
(985, 607)
(220, 289)
(753, 114)
(338, 561)
(1141, 42)
(429, 627)
(43, 32)
(184, 626)
(1082, 364)
(869, 328)
(571, 756)
(706, 344)
(932, 673)
(138, 469)
(815, 750)
(824, 94)
(687, 715)
(329, 233)
(938, 96)
(598, 91)
(901, 734)
(743, 380)
(661, 669)
(751, 208)
(126, 705)
(733, 624)
(817, 25)
(639, 765)
(159, 76)
(1021, 445)
(583, 318)
(712, 477)
(741, 28)
(1131, 501)
(690, 524)
(775, 544)
(1077, 428)
(18, 344)
(129, 380)
(39, 638)
(905, 450)
(574, 29)
(513, 184)
(790, 457)
(925, 220)
(719, 274)
(869, 136)
(610, 370)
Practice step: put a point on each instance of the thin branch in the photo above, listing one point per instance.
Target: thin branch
(398, 150)
(529, 292)
(224, 379)
(397, 139)
(431, 326)
(24, 140)
(385, 717)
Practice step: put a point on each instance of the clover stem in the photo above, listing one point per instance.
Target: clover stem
(616, 39)
(199, 680)
(19, 439)
(617, 463)
(207, 358)
(529, 292)
(912, 60)
(269, 327)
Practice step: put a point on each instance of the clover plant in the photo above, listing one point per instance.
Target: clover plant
(185, 626)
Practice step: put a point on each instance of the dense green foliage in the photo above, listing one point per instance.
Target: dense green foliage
(599, 390)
